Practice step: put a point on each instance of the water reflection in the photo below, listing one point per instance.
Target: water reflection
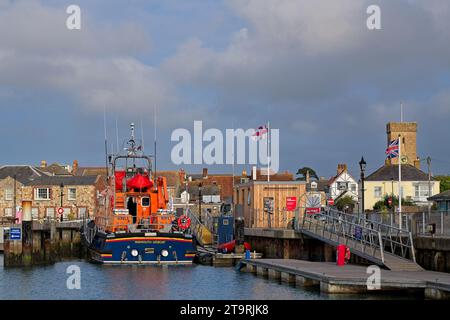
(149, 282)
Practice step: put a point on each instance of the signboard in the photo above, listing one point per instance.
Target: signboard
(358, 233)
(291, 203)
(331, 202)
(60, 210)
(268, 204)
(312, 210)
(15, 234)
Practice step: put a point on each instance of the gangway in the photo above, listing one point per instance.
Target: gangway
(383, 244)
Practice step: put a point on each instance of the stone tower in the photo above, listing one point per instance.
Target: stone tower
(408, 133)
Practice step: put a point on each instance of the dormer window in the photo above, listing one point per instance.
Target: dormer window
(313, 185)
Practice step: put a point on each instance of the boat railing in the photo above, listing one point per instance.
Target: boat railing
(157, 222)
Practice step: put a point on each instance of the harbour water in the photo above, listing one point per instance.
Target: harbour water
(194, 282)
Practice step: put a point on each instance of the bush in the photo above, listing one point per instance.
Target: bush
(345, 201)
(383, 205)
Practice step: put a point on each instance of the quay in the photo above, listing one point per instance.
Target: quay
(348, 279)
(43, 243)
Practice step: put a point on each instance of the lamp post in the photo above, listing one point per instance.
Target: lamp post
(200, 188)
(362, 166)
(61, 186)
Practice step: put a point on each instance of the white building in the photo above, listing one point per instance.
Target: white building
(343, 184)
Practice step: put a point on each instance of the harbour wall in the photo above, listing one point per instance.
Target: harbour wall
(291, 244)
(432, 253)
(42, 244)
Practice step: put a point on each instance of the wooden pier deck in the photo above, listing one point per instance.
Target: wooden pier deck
(349, 278)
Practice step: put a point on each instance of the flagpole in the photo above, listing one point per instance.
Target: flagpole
(268, 145)
(400, 180)
(232, 166)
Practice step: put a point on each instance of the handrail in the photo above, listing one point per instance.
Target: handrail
(373, 235)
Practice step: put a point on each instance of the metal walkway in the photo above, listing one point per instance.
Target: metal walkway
(382, 244)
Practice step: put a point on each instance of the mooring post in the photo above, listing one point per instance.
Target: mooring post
(27, 234)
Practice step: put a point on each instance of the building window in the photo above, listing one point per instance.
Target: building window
(8, 194)
(353, 187)
(42, 194)
(145, 202)
(342, 186)
(377, 192)
(35, 213)
(249, 198)
(8, 212)
(72, 195)
(50, 212)
(421, 191)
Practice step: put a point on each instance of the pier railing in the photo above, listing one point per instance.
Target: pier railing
(371, 237)
(341, 229)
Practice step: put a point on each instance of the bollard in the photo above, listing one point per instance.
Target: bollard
(27, 237)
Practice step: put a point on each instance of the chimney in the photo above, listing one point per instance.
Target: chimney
(254, 173)
(182, 176)
(43, 164)
(417, 163)
(342, 167)
(75, 167)
(307, 176)
(205, 173)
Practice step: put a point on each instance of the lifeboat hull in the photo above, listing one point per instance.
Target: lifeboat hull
(142, 248)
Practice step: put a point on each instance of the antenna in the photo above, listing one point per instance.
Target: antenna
(117, 137)
(142, 136)
(106, 139)
(154, 125)
(401, 111)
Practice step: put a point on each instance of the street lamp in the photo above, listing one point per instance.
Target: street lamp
(61, 196)
(362, 166)
(200, 188)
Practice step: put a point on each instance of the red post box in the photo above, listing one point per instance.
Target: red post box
(340, 254)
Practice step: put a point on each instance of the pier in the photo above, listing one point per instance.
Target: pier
(348, 279)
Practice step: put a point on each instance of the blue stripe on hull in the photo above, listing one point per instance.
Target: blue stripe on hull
(178, 252)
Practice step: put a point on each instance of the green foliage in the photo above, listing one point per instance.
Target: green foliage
(345, 201)
(444, 182)
(302, 172)
(383, 205)
(71, 216)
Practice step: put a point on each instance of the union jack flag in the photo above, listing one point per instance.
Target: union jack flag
(260, 133)
(392, 149)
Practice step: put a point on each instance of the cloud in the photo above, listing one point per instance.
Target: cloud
(96, 66)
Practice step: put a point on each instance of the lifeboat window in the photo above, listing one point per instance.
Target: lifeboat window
(145, 201)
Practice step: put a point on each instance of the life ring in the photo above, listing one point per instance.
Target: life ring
(347, 254)
(184, 222)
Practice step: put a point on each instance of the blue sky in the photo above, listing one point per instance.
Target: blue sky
(310, 67)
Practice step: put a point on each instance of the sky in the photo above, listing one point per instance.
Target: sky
(311, 68)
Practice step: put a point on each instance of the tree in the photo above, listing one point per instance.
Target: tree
(303, 172)
(444, 182)
(346, 201)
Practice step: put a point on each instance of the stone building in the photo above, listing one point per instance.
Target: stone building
(81, 195)
(408, 139)
(416, 186)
